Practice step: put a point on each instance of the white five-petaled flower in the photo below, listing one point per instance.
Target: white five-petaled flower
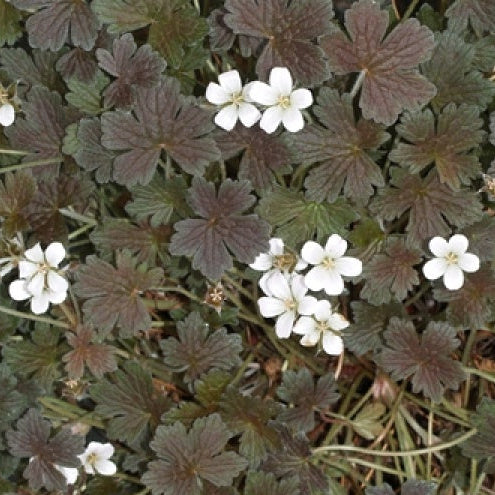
(325, 325)
(7, 114)
(286, 301)
(330, 264)
(40, 279)
(95, 459)
(276, 260)
(234, 99)
(285, 104)
(451, 260)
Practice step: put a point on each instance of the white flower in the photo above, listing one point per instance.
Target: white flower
(451, 260)
(234, 99)
(274, 261)
(287, 299)
(40, 279)
(95, 459)
(325, 325)
(14, 247)
(7, 114)
(285, 104)
(331, 264)
(70, 474)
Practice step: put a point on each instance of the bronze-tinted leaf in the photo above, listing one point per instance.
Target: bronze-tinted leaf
(78, 64)
(479, 13)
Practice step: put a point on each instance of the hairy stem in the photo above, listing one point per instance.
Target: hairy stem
(36, 163)
(33, 317)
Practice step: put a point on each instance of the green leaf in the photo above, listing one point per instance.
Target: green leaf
(112, 294)
(222, 228)
(199, 349)
(389, 63)
(266, 483)
(128, 400)
(429, 203)
(158, 200)
(390, 275)
(450, 70)
(10, 28)
(297, 219)
(38, 358)
(342, 148)
(32, 440)
(249, 417)
(304, 398)
(448, 144)
(189, 458)
(367, 422)
(479, 13)
(178, 26)
(427, 359)
(482, 445)
(12, 402)
(86, 96)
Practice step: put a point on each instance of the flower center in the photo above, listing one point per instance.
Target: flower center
(92, 458)
(290, 304)
(237, 98)
(452, 258)
(284, 102)
(328, 263)
(286, 261)
(322, 326)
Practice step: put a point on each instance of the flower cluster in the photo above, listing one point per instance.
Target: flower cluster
(286, 290)
(40, 279)
(283, 102)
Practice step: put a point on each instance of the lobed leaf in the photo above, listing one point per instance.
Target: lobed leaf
(86, 96)
(258, 483)
(482, 444)
(77, 64)
(479, 13)
(10, 29)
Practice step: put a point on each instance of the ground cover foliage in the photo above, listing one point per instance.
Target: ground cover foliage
(159, 347)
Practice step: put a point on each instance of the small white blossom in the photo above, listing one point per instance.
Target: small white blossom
(70, 474)
(95, 459)
(451, 260)
(330, 264)
(7, 114)
(287, 300)
(234, 99)
(325, 325)
(285, 104)
(14, 247)
(276, 260)
(40, 279)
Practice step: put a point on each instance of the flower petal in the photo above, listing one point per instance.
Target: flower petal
(216, 94)
(263, 281)
(276, 246)
(279, 286)
(230, 81)
(292, 119)
(311, 338)
(315, 278)
(298, 287)
(439, 246)
(7, 114)
(271, 119)
(453, 277)
(248, 114)
(226, 118)
(104, 450)
(435, 268)
(271, 306)
(281, 80)
(36, 284)
(348, 266)
(262, 93)
(333, 283)
(56, 282)
(312, 253)
(323, 310)
(300, 265)
(54, 254)
(262, 262)
(458, 244)
(105, 467)
(70, 474)
(301, 98)
(18, 291)
(284, 324)
(304, 325)
(337, 322)
(40, 303)
(469, 262)
(35, 254)
(307, 305)
(246, 92)
(335, 246)
(27, 268)
(332, 344)
(56, 297)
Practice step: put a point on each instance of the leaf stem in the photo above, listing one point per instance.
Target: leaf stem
(358, 83)
(409, 10)
(126, 477)
(405, 453)
(66, 212)
(36, 163)
(33, 317)
(14, 152)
